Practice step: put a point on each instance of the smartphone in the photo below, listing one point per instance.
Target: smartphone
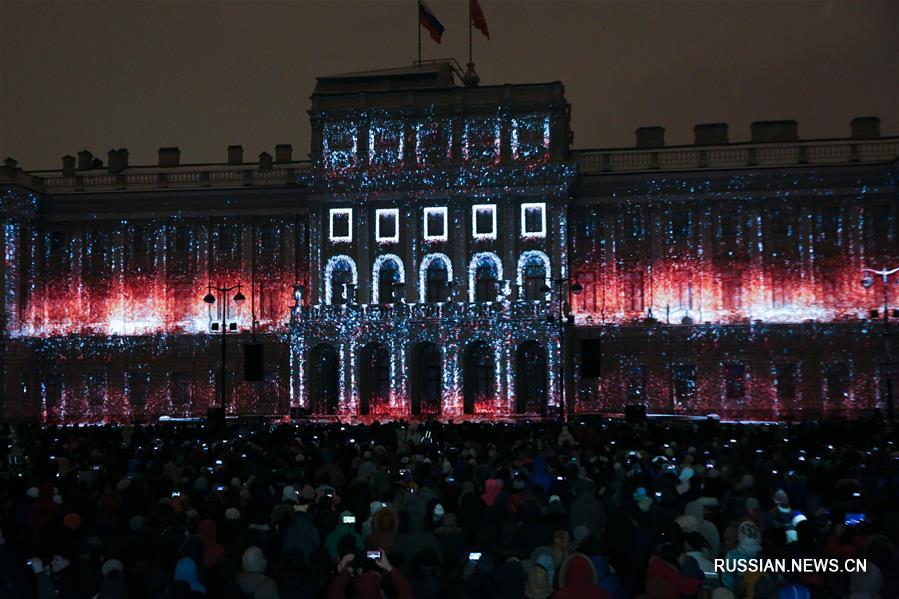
(658, 493)
(375, 555)
(349, 519)
(220, 488)
(219, 462)
(856, 494)
(560, 478)
(176, 493)
(474, 556)
(853, 519)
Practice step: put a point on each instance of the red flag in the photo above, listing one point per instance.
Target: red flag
(477, 17)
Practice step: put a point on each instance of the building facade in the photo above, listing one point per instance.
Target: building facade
(444, 252)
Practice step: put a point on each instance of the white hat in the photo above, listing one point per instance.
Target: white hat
(111, 565)
(232, 513)
(33, 492)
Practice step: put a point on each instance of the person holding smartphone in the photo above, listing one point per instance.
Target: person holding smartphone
(346, 527)
(364, 576)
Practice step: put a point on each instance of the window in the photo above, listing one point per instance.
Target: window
(533, 279)
(388, 277)
(340, 275)
(878, 220)
(483, 221)
(636, 384)
(485, 283)
(785, 381)
(727, 222)
(683, 289)
(181, 392)
(137, 382)
(635, 226)
(387, 225)
(436, 281)
(268, 303)
(831, 223)
(780, 222)
(435, 224)
(830, 286)
(95, 387)
(433, 143)
(267, 236)
(836, 377)
(684, 381)
(53, 389)
(731, 292)
(480, 143)
(734, 381)
(58, 241)
(683, 222)
(533, 220)
(633, 292)
(341, 224)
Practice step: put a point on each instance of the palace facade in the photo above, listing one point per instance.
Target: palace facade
(444, 252)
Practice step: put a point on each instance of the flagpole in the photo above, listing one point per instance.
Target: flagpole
(418, 26)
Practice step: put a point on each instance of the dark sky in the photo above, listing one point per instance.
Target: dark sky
(203, 75)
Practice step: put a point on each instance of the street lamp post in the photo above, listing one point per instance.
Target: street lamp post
(576, 288)
(238, 298)
(868, 282)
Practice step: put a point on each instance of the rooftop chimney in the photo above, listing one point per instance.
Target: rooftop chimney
(169, 157)
(235, 155)
(85, 160)
(118, 161)
(710, 134)
(866, 127)
(651, 137)
(768, 131)
(265, 161)
(283, 153)
(68, 166)
(11, 164)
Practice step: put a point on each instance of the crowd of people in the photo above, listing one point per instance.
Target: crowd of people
(595, 508)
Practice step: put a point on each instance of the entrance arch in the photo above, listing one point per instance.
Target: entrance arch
(323, 379)
(530, 379)
(374, 379)
(479, 381)
(426, 379)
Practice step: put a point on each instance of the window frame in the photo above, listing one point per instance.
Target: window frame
(395, 213)
(438, 210)
(525, 234)
(474, 221)
(348, 238)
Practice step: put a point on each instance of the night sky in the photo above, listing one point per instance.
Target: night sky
(201, 76)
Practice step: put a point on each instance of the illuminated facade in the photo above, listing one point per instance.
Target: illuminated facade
(403, 270)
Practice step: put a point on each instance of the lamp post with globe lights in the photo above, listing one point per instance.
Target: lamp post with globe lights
(576, 288)
(867, 282)
(238, 299)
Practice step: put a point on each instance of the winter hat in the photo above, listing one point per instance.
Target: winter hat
(71, 521)
(33, 492)
(781, 498)
(537, 585)
(688, 523)
(232, 513)
(235, 482)
(123, 484)
(289, 494)
(254, 560)
(111, 565)
(438, 513)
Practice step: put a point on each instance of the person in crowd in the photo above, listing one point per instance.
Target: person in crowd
(476, 509)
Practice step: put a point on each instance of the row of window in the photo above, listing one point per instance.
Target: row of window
(435, 223)
(485, 278)
(836, 381)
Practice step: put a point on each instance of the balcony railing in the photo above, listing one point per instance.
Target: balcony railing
(519, 310)
(827, 152)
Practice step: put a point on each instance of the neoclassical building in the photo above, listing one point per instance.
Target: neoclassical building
(445, 252)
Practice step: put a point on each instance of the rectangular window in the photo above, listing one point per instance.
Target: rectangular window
(836, 377)
(683, 222)
(533, 220)
(387, 228)
(780, 294)
(781, 224)
(878, 222)
(683, 289)
(435, 224)
(433, 143)
(268, 303)
(633, 292)
(95, 388)
(636, 384)
(727, 222)
(58, 241)
(735, 381)
(635, 224)
(181, 392)
(785, 381)
(480, 143)
(483, 221)
(182, 239)
(684, 381)
(267, 236)
(138, 382)
(731, 292)
(341, 224)
(53, 389)
(831, 223)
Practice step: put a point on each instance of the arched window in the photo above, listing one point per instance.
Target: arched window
(426, 373)
(435, 275)
(340, 272)
(533, 274)
(374, 379)
(479, 384)
(386, 273)
(484, 273)
(530, 379)
(323, 379)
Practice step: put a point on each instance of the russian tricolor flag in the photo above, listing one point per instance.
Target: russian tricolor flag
(427, 20)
